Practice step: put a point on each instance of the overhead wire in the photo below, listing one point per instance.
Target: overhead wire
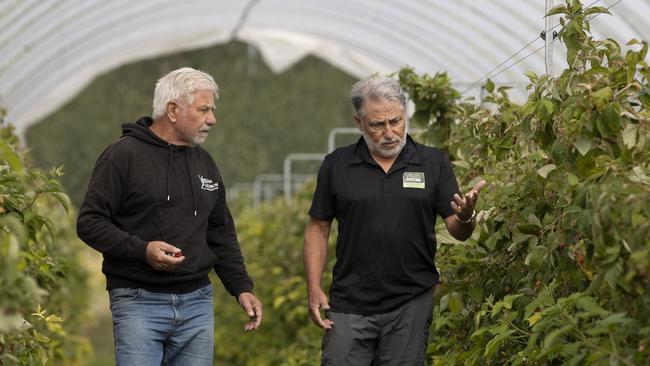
(490, 74)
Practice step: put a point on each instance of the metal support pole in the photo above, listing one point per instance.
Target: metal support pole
(548, 39)
(237, 188)
(265, 186)
(331, 138)
(257, 186)
(287, 170)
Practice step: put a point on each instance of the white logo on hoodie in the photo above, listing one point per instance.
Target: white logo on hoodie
(207, 184)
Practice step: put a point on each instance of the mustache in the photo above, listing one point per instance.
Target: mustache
(387, 141)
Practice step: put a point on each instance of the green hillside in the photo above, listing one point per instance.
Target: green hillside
(261, 116)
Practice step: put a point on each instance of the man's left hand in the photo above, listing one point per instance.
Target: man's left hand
(464, 206)
(253, 308)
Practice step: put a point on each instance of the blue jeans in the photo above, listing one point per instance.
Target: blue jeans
(159, 328)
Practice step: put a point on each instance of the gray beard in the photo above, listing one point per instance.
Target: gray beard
(383, 152)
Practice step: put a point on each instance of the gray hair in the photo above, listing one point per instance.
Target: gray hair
(376, 88)
(180, 86)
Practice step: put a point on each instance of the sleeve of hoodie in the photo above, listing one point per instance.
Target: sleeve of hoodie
(222, 238)
(95, 224)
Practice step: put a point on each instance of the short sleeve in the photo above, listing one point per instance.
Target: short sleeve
(323, 205)
(446, 188)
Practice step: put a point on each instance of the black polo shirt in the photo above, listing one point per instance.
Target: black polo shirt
(386, 244)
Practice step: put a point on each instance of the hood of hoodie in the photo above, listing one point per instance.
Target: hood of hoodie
(141, 130)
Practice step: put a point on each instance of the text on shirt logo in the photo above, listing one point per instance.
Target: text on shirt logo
(207, 184)
(413, 180)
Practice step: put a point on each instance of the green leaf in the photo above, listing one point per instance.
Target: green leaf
(630, 135)
(543, 299)
(596, 10)
(478, 332)
(609, 121)
(613, 274)
(602, 97)
(533, 319)
(455, 303)
(531, 76)
(583, 144)
(489, 86)
(589, 304)
(476, 294)
(588, 167)
(558, 9)
(461, 163)
(638, 176)
(7, 359)
(506, 303)
(533, 219)
(492, 346)
(528, 228)
(518, 237)
(617, 319)
(64, 200)
(572, 180)
(534, 259)
(444, 303)
(553, 337)
(544, 110)
(8, 154)
(545, 170)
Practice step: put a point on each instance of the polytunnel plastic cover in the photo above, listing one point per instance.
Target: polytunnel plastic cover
(50, 50)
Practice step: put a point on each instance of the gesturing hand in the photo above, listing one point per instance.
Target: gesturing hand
(253, 308)
(317, 302)
(162, 256)
(464, 206)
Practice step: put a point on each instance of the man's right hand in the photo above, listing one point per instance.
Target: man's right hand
(158, 256)
(318, 301)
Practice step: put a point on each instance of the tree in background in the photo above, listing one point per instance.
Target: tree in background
(261, 116)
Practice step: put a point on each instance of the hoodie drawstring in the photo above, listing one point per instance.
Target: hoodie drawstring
(189, 171)
(169, 170)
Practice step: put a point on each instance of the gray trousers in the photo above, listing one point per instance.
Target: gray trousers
(399, 337)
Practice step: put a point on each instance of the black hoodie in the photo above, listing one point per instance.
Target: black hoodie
(145, 189)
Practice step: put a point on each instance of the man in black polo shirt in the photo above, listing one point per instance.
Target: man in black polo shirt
(385, 192)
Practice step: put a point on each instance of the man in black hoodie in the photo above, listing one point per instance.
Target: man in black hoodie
(156, 209)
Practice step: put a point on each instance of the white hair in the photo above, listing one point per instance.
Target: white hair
(376, 88)
(180, 86)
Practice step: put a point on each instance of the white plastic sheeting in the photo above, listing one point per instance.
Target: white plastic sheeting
(51, 49)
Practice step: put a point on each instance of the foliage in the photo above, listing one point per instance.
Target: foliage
(261, 116)
(271, 237)
(41, 283)
(558, 270)
(436, 107)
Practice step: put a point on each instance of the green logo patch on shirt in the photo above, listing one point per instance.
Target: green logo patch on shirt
(413, 180)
